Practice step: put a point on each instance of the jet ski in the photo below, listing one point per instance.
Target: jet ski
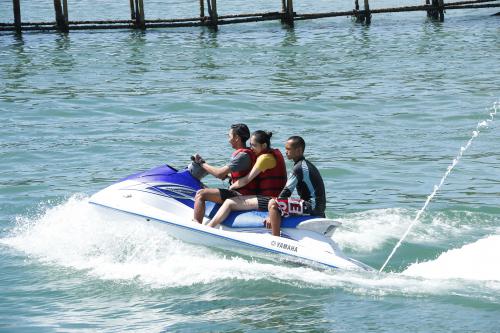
(165, 196)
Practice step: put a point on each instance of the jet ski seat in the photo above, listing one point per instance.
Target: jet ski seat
(253, 218)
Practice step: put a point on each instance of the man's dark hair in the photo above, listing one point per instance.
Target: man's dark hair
(242, 131)
(297, 141)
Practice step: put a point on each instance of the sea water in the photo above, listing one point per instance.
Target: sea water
(383, 108)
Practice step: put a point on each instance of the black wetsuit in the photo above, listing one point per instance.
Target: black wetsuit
(310, 187)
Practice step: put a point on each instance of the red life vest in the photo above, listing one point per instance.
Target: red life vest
(250, 188)
(272, 181)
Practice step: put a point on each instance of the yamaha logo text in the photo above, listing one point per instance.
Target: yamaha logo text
(284, 246)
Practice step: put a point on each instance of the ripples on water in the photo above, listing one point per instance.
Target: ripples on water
(384, 109)
(114, 261)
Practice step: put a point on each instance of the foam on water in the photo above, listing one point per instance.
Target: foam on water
(476, 261)
(369, 231)
(75, 235)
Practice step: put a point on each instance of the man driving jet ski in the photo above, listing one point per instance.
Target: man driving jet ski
(240, 164)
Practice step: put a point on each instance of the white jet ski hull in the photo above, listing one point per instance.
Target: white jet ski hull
(163, 202)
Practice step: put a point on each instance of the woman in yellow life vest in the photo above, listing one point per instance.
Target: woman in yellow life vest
(269, 172)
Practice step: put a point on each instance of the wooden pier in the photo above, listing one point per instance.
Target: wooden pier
(435, 9)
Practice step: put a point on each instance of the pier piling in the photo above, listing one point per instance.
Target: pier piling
(367, 14)
(136, 14)
(441, 10)
(437, 10)
(17, 14)
(283, 10)
(132, 10)
(429, 11)
(356, 11)
(61, 23)
(140, 22)
(202, 10)
(65, 11)
(212, 12)
(143, 18)
(289, 13)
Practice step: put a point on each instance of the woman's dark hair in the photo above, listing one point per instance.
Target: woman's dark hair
(242, 131)
(263, 137)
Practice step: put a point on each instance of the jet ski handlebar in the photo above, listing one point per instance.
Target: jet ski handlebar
(196, 169)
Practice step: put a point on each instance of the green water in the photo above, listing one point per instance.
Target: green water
(384, 109)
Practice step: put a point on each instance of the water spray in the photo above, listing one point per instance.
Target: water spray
(475, 133)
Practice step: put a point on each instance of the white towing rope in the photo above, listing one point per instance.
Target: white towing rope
(475, 133)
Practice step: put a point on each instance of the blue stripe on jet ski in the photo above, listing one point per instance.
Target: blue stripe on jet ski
(235, 219)
(220, 236)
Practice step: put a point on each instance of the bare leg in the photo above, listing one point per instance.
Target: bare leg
(274, 217)
(247, 202)
(207, 194)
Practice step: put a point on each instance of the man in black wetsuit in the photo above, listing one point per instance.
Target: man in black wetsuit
(304, 177)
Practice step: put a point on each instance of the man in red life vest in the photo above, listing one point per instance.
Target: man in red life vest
(304, 177)
(240, 164)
